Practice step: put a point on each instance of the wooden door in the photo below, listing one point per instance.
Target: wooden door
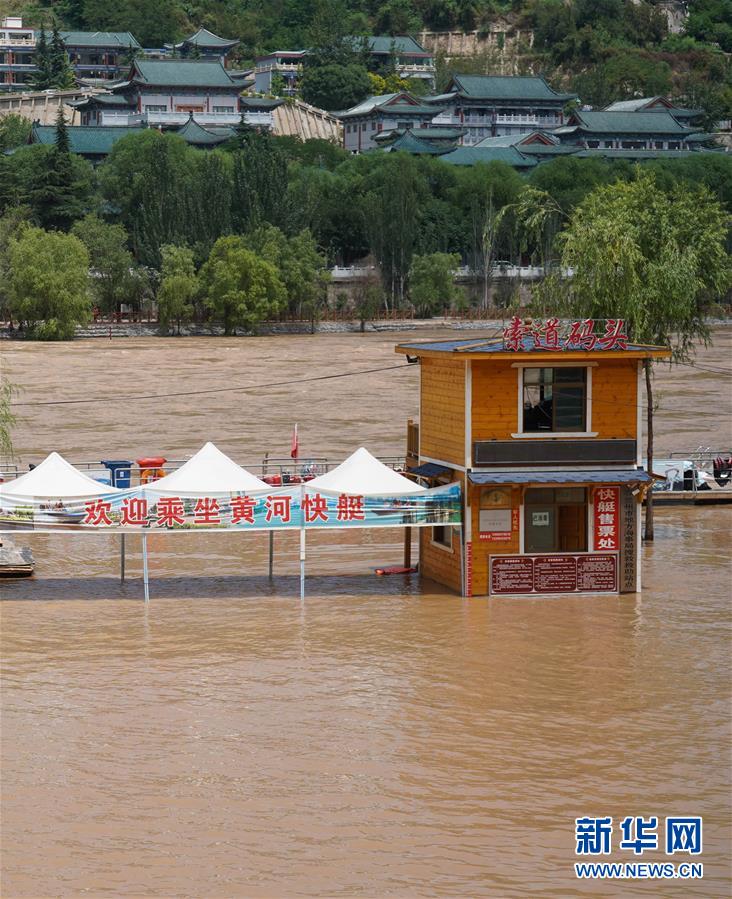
(572, 528)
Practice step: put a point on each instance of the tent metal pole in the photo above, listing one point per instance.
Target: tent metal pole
(122, 560)
(271, 553)
(145, 579)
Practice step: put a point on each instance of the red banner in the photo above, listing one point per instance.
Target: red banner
(607, 519)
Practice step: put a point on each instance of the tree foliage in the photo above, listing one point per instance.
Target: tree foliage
(239, 288)
(49, 282)
(112, 266)
(431, 283)
(650, 257)
(178, 286)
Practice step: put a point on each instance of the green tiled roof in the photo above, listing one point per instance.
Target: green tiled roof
(401, 44)
(101, 99)
(207, 39)
(260, 102)
(428, 133)
(505, 87)
(383, 100)
(639, 154)
(86, 140)
(627, 123)
(102, 39)
(193, 133)
(474, 155)
(409, 143)
(181, 73)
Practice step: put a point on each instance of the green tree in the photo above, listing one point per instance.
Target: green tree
(49, 282)
(11, 225)
(14, 131)
(480, 193)
(61, 195)
(42, 78)
(7, 419)
(110, 260)
(397, 17)
(239, 288)
(431, 283)
(151, 28)
(62, 75)
(335, 86)
(302, 269)
(393, 212)
(651, 258)
(178, 287)
(259, 181)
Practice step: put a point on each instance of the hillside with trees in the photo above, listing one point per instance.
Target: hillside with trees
(603, 49)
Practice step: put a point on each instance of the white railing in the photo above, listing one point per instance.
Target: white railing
(203, 118)
(410, 67)
(132, 119)
(121, 118)
(446, 119)
(277, 67)
(17, 41)
(517, 119)
(351, 272)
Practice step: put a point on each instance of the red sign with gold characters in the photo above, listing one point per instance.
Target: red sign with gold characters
(607, 519)
(526, 334)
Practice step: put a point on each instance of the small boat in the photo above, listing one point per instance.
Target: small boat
(15, 561)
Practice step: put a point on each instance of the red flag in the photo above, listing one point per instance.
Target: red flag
(294, 444)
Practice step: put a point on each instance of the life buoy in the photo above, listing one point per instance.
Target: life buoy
(151, 474)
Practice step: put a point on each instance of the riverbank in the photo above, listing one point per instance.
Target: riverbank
(108, 331)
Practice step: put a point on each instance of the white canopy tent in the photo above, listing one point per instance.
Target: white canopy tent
(361, 474)
(54, 478)
(209, 471)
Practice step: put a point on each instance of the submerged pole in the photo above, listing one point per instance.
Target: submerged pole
(407, 547)
(145, 580)
(271, 553)
(122, 560)
(302, 563)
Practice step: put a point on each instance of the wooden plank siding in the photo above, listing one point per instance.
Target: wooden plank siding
(442, 410)
(483, 550)
(437, 562)
(614, 398)
(495, 400)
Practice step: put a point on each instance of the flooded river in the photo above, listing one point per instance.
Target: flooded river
(385, 738)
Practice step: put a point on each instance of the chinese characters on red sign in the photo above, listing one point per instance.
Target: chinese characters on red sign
(172, 511)
(607, 519)
(579, 335)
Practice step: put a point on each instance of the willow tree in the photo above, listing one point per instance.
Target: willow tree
(651, 257)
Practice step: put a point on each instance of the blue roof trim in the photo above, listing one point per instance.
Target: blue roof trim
(609, 476)
(430, 470)
(495, 345)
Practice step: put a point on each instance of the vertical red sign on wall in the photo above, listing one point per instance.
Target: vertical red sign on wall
(607, 519)
(468, 569)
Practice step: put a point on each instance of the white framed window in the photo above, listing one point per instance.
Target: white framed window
(555, 400)
(442, 536)
(223, 109)
(156, 108)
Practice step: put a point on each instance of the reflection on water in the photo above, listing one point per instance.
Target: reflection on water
(384, 737)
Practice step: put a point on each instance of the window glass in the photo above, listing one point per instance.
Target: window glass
(442, 534)
(555, 520)
(554, 399)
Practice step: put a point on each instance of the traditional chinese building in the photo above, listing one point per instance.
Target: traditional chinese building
(543, 429)
(388, 112)
(492, 105)
(93, 55)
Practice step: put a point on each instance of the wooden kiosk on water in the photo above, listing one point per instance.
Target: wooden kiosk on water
(543, 429)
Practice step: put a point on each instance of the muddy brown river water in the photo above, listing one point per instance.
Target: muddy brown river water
(385, 738)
